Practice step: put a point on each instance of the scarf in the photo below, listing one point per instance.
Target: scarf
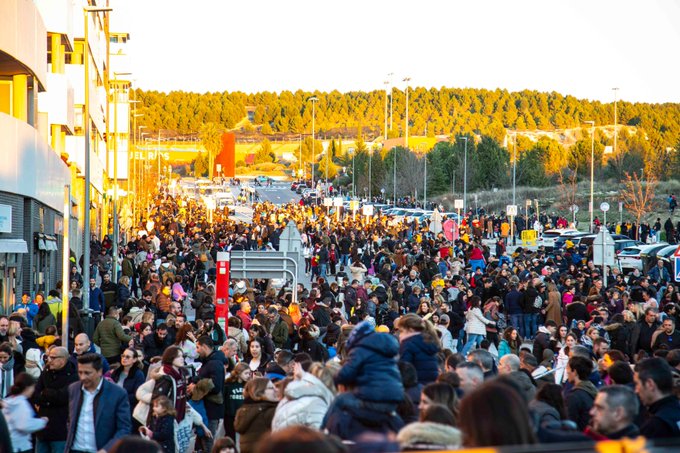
(180, 391)
(6, 378)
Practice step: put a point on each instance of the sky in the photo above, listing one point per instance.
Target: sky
(582, 48)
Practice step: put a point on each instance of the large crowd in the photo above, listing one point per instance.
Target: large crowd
(403, 339)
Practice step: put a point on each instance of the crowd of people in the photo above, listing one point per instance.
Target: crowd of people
(401, 340)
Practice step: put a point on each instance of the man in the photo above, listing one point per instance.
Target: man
(99, 411)
(76, 277)
(668, 338)
(471, 376)
(154, 345)
(277, 328)
(51, 398)
(508, 364)
(128, 269)
(109, 290)
(230, 351)
(244, 314)
(83, 345)
(654, 386)
(212, 368)
(600, 348)
(542, 339)
(613, 412)
(203, 303)
(4, 327)
(659, 273)
(109, 335)
(96, 300)
(643, 330)
(579, 400)
(485, 361)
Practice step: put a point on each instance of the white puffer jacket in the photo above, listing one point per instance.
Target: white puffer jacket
(305, 403)
(476, 322)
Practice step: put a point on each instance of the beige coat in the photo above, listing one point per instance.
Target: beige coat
(553, 311)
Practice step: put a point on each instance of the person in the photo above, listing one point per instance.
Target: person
(186, 340)
(212, 368)
(43, 319)
(668, 337)
(311, 345)
(475, 327)
(643, 330)
(254, 417)
(654, 386)
(278, 328)
(298, 438)
(580, 398)
(83, 345)
(542, 339)
(471, 376)
(256, 357)
(510, 343)
(419, 345)
(233, 395)
(109, 335)
(434, 431)
(613, 412)
(10, 367)
(162, 426)
(19, 413)
(439, 393)
(128, 375)
(51, 399)
(156, 344)
(306, 399)
(494, 414)
(99, 411)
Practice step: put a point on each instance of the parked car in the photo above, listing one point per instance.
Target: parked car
(572, 236)
(667, 255)
(300, 188)
(549, 237)
(629, 259)
(648, 256)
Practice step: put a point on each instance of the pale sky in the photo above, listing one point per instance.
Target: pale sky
(583, 48)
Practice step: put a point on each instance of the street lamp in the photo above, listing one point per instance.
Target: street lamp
(514, 168)
(314, 100)
(465, 176)
(86, 120)
(592, 170)
(407, 80)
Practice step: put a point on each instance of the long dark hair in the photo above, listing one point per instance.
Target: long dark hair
(115, 374)
(482, 410)
(21, 383)
(552, 394)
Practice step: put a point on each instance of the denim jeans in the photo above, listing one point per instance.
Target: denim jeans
(530, 325)
(473, 340)
(322, 270)
(517, 322)
(344, 260)
(55, 446)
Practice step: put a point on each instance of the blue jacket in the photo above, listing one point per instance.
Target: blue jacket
(422, 355)
(513, 302)
(96, 299)
(112, 418)
(371, 365)
(131, 384)
(31, 309)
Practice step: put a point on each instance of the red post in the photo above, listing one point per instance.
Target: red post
(222, 290)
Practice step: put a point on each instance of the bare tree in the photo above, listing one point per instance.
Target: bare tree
(568, 187)
(638, 195)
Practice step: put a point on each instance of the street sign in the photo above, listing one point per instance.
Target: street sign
(573, 208)
(620, 206)
(511, 209)
(677, 252)
(354, 205)
(367, 210)
(676, 269)
(337, 202)
(604, 206)
(458, 203)
(328, 202)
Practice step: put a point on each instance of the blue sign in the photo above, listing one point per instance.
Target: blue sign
(677, 269)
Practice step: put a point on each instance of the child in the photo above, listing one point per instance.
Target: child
(162, 426)
(19, 413)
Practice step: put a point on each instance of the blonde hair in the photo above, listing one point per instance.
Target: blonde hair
(324, 374)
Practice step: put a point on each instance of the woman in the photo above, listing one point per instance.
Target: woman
(128, 375)
(424, 308)
(560, 338)
(310, 344)
(19, 414)
(475, 326)
(419, 345)
(589, 338)
(306, 399)
(257, 359)
(439, 393)
(511, 342)
(358, 270)
(233, 395)
(257, 331)
(44, 319)
(495, 414)
(492, 313)
(123, 292)
(548, 405)
(254, 417)
(186, 341)
(143, 329)
(178, 293)
(235, 331)
(553, 309)
(563, 358)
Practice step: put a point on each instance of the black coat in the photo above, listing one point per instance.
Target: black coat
(154, 346)
(51, 396)
(663, 419)
(213, 368)
(315, 349)
(163, 429)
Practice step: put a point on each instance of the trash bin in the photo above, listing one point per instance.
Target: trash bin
(88, 321)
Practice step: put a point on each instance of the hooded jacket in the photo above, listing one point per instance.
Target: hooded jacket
(422, 355)
(429, 436)
(579, 401)
(305, 403)
(371, 365)
(21, 421)
(253, 420)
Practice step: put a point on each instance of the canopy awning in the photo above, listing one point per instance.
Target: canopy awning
(13, 246)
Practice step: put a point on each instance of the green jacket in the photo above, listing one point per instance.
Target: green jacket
(280, 334)
(109, 336)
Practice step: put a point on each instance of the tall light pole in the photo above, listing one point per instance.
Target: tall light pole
(114, 252)
(592, 171)
(387, 82)
(407, 80)
(425, 181)
(616, 98)
(465, 177)
(514, 167)
(86, 121)
(370, 172)
(313, 100)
